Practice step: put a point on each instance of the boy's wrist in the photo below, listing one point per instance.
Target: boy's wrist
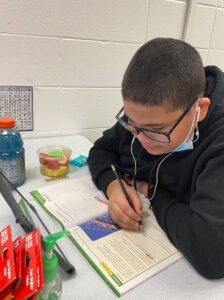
(112, 186)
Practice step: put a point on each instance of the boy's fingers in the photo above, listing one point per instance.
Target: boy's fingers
(123, 220)
(136, 202)
(137, 205)
(128, 210)
(122, 211)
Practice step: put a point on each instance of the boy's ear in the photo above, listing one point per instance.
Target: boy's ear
(204, 105)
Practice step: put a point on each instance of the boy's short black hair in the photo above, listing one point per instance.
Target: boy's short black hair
(164, 71)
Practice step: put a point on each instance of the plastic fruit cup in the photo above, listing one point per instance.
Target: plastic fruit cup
(54, 160)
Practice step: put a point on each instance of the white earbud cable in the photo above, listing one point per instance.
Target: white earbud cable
(135, 164)
(157, 176)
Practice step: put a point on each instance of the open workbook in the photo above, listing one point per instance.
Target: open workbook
(123, 258)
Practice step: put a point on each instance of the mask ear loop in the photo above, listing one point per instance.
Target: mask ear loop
(135, 164)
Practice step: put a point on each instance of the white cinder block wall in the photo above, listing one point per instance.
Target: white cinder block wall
(74, 52)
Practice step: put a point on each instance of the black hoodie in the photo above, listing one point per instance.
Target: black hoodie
(189, 200)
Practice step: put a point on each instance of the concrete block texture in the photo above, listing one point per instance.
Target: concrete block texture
(36, 17)
(221, 3)
(70, 109)
(217, 39)
(111, 20)
(166, 19)
(95, 64)
(202, 26)
(216, 57)
(28, 60)
(204, 55)
(208, 2)
(89, 108)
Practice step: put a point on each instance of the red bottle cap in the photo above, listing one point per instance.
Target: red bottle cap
(7, 122)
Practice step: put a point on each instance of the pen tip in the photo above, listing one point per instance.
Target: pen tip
(140, 223)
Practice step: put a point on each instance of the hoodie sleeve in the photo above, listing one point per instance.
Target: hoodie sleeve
(197, 228)
(104, 152)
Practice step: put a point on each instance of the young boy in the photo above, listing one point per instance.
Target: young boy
(169, 142)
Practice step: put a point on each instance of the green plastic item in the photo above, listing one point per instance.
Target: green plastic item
(56, 153)
(50, 260)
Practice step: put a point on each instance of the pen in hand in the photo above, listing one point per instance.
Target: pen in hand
(124, 191)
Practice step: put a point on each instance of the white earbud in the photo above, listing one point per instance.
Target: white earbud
(197, 134)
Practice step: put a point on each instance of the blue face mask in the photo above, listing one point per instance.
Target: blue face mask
(185, 146)
(188, 145)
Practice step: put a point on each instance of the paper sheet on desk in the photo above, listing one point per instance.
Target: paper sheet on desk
(71, 201)
(126, 258)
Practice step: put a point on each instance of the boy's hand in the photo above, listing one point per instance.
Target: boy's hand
(119, 208)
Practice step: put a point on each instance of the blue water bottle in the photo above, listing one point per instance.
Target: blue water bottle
(12, 160)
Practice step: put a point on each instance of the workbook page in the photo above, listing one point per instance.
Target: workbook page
(73, 201)
(126, 257)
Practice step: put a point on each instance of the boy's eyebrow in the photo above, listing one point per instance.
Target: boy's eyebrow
(154, 125)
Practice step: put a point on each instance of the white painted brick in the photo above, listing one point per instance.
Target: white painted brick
(36, 17)
(216, 57)
(217, 41)
(204, 54)
(48, 113)
(221, 3)
(89, 108)
(95, 64)
(29, 60)
(71, 110)
(166, 19)
(208, 2)
(202, 25)
(112, 20)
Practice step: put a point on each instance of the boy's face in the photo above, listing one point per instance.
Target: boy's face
(157, 118)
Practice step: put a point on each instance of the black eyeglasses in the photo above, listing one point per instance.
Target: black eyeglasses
(163, 137)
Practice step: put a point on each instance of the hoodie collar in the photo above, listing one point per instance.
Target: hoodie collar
(214, 90)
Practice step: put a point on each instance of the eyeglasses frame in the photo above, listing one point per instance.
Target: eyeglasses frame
(168, 133)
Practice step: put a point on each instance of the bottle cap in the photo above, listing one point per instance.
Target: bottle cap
(50, 260)
(7, 122)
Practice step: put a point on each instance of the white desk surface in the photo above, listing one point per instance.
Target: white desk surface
(179, 281)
